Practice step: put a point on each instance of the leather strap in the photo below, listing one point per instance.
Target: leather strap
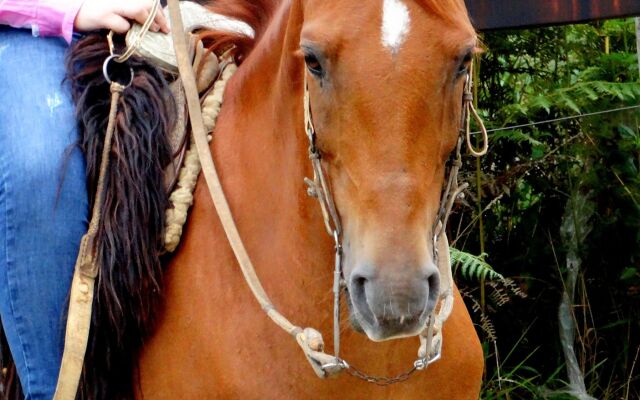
(84, 276)
(309, 339)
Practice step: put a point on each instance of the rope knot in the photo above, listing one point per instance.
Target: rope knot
(117, 87)
(314, 154)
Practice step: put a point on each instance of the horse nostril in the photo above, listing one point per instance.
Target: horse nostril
(358, 293)
(433, 288)
(361, 277)
(358, 282)
(393, 304)
(358, 287)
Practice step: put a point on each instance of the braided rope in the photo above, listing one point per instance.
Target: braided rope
(182, 197)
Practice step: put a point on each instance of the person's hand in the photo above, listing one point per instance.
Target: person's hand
(116, 15)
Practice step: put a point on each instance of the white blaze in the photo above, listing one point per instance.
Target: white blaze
(395, 24)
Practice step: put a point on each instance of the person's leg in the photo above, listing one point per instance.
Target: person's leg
(43, 208)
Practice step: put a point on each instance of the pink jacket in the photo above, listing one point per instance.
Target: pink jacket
(44, 17)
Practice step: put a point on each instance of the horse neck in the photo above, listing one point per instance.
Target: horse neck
(260, 148)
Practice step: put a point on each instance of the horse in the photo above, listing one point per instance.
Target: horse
(385, 81)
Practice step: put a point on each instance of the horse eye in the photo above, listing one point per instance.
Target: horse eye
(463, 69)
(313, 65)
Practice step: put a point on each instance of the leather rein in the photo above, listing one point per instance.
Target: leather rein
(309, 339)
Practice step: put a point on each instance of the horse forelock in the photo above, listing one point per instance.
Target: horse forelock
(452, 11)
(258, 14)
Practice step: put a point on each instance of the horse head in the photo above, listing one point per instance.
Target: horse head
(385, 81)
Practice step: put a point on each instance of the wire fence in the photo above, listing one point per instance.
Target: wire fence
(560, 119)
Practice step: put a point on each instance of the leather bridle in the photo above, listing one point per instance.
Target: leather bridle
(430, 349)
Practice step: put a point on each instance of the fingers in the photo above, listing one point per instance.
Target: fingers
(116, 14)
(159, 23)
(136, 11)
(139, 11)
(161, 20)
(117, 23)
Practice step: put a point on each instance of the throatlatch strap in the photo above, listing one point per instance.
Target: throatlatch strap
(84, 276)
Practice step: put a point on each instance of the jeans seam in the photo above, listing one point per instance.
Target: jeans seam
(11, 286)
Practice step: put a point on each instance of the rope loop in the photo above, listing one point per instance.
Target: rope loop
(469, 110)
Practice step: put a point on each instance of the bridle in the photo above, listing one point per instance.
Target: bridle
(430, 349)
(309, 339)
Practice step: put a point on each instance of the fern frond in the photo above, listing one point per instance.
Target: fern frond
(473, 267)
(506, 287)
(485, 322)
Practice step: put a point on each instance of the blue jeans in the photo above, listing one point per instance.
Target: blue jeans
(43, 204)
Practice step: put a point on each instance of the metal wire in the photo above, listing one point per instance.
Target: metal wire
(550, 121)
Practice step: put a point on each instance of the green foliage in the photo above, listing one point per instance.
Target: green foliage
(526, 181)
(473, 267)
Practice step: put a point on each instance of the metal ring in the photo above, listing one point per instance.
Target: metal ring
(435, 357)
(105, 72)
(338, 363)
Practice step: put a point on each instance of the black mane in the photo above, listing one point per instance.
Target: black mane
(130, 240)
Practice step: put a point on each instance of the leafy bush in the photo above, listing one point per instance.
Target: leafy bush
(515, 207)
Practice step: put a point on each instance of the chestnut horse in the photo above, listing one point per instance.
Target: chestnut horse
(386, 81)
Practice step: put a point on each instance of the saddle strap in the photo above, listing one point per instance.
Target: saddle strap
(84, 276)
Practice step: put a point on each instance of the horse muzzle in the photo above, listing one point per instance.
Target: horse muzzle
(394, 304)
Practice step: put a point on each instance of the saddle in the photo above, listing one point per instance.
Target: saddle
(212, 72)
(157, 49)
